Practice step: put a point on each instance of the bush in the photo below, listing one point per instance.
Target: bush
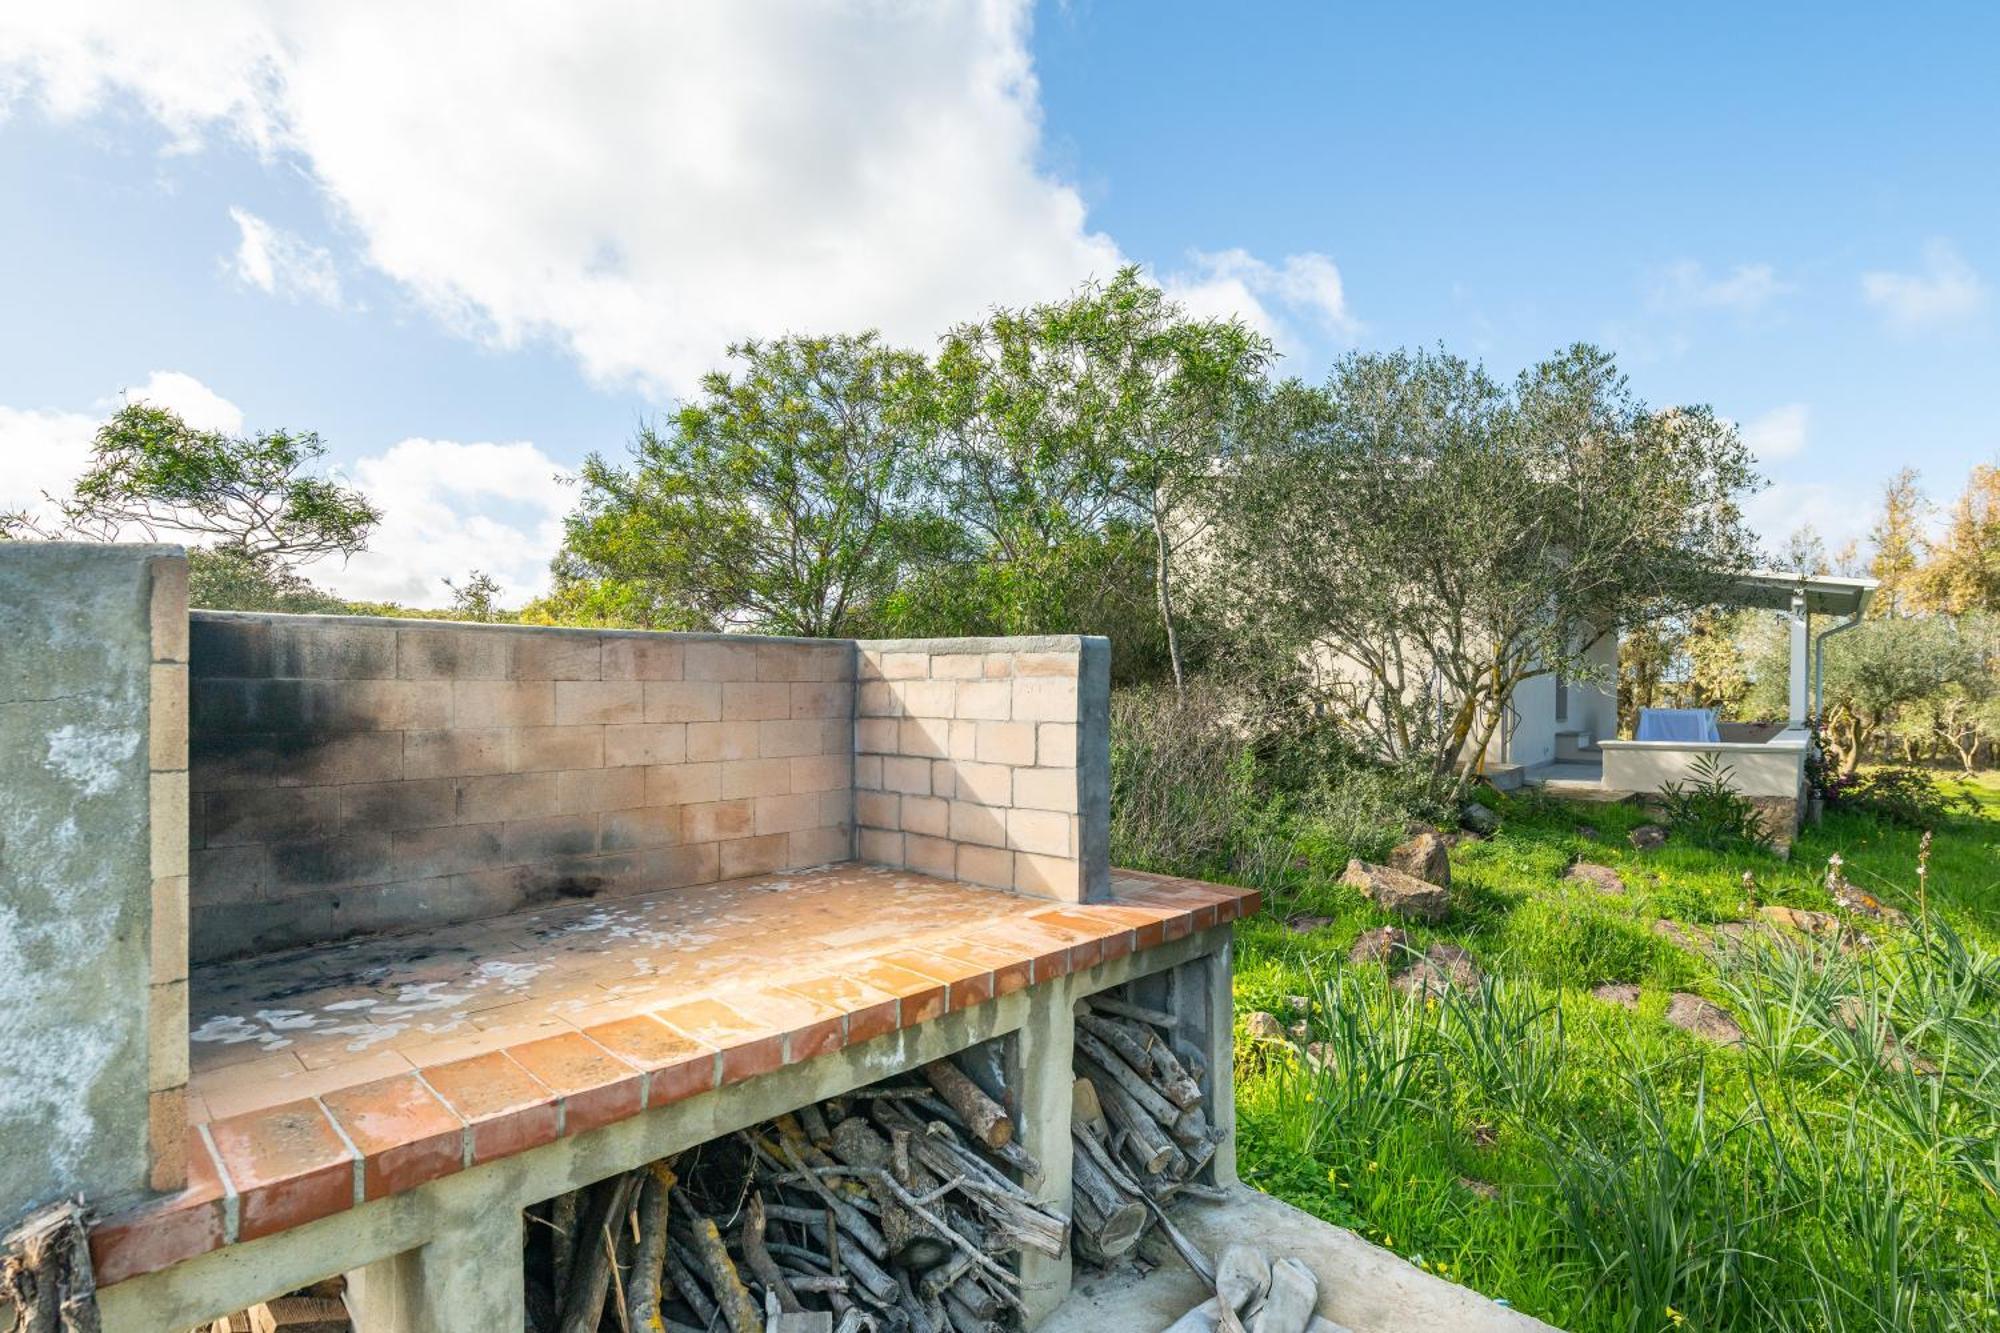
(1708, 811)
(1214, 784)
(1906, 796)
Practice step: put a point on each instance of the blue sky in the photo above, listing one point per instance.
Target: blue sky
(471, 246)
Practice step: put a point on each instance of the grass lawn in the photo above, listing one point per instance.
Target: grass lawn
(1604, 1170)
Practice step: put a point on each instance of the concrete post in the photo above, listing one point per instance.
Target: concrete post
(1204, 999)
(93, 872)
(1043, 1060)
(1801, 661)
(467, 1280)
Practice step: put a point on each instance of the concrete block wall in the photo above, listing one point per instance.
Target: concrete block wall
(359, 775)
(987, 761)
(93, 854)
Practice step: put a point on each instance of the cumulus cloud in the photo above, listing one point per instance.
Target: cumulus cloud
(649, 184)
(44, 450)
(1946, 290)
(1778, 434)
(282, 263)
(449, 508)
(1284, 301)
(1688, 285)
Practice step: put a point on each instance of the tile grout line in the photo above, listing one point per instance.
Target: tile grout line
(360, 1170)
(232, 1207)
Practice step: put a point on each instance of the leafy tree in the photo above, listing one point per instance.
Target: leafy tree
(252, 497)
(1898, 537)
(782, 497)
(227, 578)
(1883, 668)
(1108, 412)
(477, 598)
(1963, 573)
(1443, 539)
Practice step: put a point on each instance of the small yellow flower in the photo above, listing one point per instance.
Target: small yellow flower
(1676, 1316)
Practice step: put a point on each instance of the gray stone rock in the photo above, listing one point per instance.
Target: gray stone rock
(1381, 945)
(1485, 1189)
(1444, 967)
(1302, 923)
(1823, 924)
(1393, 891)
(1263, 1027)
(1647, 837)
(1600, 877)
(1850, 899)
(1709, 1021)
(1480, 819)
(1424, 856)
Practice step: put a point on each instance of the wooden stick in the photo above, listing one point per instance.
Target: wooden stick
(590, 1265)
(758, 1259)
(731, 1296)
(1148, 1056)
(1140, 1130)
(1159, 1018)
(690, 1288)
(649, 1255)
(1093, 1052)
(982, 1115)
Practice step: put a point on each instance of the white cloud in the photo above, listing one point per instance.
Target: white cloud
(44, 450)
(1840, 514)
(1778, 434)
(1688, 285)
(1276, 300)
(281, 263)
(644, 186)
(1946, 291)
(449, 508)
(194, 402)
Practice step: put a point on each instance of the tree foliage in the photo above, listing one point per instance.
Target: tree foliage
(255, 497)
(1451, 538)
(780, 498)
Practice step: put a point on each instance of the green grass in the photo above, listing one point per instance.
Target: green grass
(1648, 1180)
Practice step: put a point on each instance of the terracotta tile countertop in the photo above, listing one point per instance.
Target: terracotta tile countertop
(326, 1077)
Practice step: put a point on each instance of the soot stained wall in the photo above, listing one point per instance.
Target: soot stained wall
(354, 776)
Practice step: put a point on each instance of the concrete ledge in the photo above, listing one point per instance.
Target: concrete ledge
(1361, 1286)
(234, 1276)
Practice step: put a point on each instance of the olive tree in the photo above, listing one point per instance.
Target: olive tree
(1431, 539)
(780, 497)
(1064, 430)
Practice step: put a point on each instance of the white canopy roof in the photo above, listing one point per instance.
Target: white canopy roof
(1825, 594)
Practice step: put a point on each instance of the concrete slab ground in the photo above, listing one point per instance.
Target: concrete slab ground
(1362, 1287)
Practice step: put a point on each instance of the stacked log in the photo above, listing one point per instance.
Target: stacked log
(1140, 1126)
(895, 1208)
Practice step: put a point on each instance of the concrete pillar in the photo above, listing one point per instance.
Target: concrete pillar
(1042, 1072)
(93, 872)
(1801, 662)
(1206, 1002)
(467, 1280)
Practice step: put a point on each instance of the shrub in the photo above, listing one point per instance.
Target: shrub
(1708, 811)
(1906, 796)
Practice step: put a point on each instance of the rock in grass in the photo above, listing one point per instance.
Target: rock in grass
(1393, 891)
(1676, 932)
(1647, 837)
(1301, 923)
(1600, 877)
(1443, 967)
(1850, 899)
(1483, 1188)
(1705, 1019)
(1424, 856)
(1479, 819)
(1263, 1027)
(1824, 924)
(1380, 945)
(1852, 1012)
(1621, 993)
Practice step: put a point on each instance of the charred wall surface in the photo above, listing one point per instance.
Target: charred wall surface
(355, 775)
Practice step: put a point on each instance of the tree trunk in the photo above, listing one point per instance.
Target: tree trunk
(1165, 597)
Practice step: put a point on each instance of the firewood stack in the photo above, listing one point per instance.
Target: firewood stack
(891, 1208)
(1141, 1131)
